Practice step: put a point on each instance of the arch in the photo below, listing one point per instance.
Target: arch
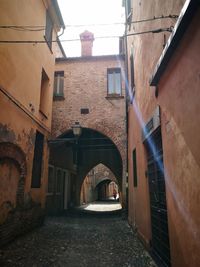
(97, 176)
(104, 180)
(101, 129)
(14, 153)
(92, 147)
(94, 165)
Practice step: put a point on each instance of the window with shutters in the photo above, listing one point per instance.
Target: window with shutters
(58, 181)
(114, 81)
(48, 30)
(59, 83)
(132, 69)
(37, 160)
(128, 11)
(44, 94)
(135, 180)
(51, 180)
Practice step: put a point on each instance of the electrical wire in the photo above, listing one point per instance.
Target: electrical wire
(41, 28)
(155, 18)
(98, 37)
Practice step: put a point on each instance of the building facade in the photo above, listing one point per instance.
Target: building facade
(26, 91)
(163, 76)
(89, 91)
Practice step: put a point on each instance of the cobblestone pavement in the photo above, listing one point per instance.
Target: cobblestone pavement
(78, 240)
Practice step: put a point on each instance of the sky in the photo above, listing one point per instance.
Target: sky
(84, 12)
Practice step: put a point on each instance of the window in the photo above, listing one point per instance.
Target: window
(84, 110)
(48, 30)
(114, 81)
(44, 93)
(128, 11)
(121, 46)
(58, 83)
(132, 70)
(128, 8)
(37, 160)
(58, 181)
(134, 168)
(51, 180)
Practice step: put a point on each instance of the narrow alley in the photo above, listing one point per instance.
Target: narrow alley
(86, 239)
(99, 133)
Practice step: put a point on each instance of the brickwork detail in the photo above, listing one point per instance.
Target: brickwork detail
(17, 218)
(11, 151)
(85, 86)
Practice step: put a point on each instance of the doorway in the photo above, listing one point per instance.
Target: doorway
(158, 205)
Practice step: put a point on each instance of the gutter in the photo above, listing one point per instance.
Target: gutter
(57, 9)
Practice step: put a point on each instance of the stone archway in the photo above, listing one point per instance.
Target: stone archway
(100, 173)
(93, 147)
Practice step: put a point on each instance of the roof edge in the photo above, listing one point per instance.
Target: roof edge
(91, 58)
(189, 9)
(58, 12)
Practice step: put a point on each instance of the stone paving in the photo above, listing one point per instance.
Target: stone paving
(80, 239)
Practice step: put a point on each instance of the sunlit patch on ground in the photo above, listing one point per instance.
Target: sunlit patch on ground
(102, 206)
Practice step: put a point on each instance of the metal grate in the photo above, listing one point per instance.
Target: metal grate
(84, 110)
(159, 220)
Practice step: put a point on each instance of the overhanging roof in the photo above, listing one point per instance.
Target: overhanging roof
(92, 58)
(185, 17)
(57, 9)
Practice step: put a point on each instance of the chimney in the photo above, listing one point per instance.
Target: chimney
(87, 39)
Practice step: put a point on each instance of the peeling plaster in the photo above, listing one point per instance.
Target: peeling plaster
(6, 134)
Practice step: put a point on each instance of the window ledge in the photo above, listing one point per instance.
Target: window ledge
(58, 97)
(114, 97)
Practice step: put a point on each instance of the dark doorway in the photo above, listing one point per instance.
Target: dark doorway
(158, 206)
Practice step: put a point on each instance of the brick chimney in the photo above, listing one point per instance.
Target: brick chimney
(87, 39)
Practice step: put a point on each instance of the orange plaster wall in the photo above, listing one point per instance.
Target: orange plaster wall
(20, 72)
(147, 49)
(179, 99)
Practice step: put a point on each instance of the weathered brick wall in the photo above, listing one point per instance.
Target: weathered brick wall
(18, 212)
(101, 172)
(85, 86)
(20, 221)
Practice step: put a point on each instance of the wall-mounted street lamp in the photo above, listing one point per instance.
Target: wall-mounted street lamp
(77, 129)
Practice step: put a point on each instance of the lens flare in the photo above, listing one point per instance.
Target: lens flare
(179, 201)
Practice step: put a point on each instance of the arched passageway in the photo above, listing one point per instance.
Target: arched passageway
(76, 158)
(99, 184)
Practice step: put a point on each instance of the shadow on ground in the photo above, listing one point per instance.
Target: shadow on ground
(82, 238)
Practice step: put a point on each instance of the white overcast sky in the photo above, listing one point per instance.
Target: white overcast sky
(84, 12)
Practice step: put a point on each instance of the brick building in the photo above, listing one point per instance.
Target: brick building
(26, 91)
(163, 126)
(89, 91)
